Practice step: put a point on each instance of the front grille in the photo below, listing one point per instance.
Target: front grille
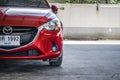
(25, 53)
(27, 34)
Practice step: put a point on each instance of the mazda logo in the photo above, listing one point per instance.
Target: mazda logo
(7, 30)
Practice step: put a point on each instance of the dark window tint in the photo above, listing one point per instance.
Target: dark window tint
(24, 3)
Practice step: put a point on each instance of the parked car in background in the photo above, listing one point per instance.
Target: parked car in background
(30, 29)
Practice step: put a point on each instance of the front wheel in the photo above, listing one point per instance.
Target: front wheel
(56, 61)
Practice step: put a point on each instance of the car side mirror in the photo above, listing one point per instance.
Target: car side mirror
(54, 9)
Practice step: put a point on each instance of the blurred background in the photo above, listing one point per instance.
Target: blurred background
(85, 1)
(89, 19)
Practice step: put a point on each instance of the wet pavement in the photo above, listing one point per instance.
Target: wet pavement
(81, 62)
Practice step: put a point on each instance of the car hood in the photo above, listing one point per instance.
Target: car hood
(25, 16)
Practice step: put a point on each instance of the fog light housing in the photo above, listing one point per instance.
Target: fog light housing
(55, 47)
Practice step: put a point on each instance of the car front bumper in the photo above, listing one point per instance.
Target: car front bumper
(42, 43)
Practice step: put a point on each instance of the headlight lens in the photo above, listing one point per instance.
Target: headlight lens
(52, 25)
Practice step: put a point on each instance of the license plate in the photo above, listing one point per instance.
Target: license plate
(9, 40)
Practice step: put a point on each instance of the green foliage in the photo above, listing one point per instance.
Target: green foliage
(114, 1)
(92, 1)
(86, 1)
(70, 1)
(89, 1)
(81, 1)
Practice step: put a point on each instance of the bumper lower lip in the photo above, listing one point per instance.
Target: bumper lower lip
(42, 43)
(49, 55)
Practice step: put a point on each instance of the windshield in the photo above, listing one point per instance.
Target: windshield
(24, 3)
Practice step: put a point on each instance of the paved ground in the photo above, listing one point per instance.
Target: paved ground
(88, 60)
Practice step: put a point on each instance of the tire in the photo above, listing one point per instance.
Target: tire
(56, 62)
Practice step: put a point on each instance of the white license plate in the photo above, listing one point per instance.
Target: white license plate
(9, 40)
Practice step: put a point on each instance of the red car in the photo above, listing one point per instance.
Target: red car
(30, 29)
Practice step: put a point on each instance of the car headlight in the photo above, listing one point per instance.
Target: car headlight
(52, 25)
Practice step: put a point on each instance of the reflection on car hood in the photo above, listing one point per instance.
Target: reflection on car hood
(25, 16)
(27, 11)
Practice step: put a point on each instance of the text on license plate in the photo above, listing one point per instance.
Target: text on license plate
(9, 40)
